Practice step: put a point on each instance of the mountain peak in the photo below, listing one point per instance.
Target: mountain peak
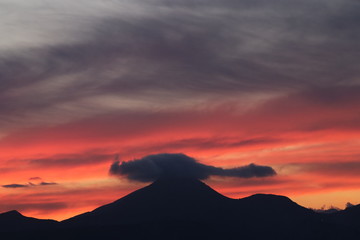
(178, 183)
(167, 197)
(12, 213)
(182, 189)
(176, 179)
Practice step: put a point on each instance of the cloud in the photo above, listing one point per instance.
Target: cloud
(339, 169)
(88, 157)
(151, 167)
(34, 182)
(217, 143)
(66, 160)
(199, 144)
(219, 48)
(15, 185)
(35, 179)
(47, 183)
(301, 112)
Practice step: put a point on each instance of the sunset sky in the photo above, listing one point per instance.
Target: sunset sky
(86, 83)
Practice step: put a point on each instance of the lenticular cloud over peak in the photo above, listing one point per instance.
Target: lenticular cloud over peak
(151, 167)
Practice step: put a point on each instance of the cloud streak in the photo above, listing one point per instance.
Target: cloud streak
(15, 185)
(199, 49)
(34, 182)
(339, 169)
(65, 160)
(152, 167)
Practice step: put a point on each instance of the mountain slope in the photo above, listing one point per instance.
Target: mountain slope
(165, 199)
(15, 221)
(347, 217)
(185, 199)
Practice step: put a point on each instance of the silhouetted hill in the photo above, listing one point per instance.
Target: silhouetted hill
(268, 204)
(185, 208)
(272, 210)
(15, 221)
(347, 217)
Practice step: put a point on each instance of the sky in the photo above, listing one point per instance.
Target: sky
(89, 85)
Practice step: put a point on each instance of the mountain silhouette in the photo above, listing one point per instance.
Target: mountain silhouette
(165, 199)
(15, 221)
(347, 217)
(186, 208)
(179, 199)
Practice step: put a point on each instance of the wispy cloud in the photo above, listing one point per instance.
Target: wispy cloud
(215, 49)
(33, 182)
(15, 185)
(66, 160)
(338, 169)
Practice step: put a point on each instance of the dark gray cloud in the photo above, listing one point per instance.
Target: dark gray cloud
(198, 48)
(38, 182)
(30, 184)
(15, 185)
(152, 167)
(47, 183)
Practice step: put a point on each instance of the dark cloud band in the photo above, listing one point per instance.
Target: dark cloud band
(30, 184)
(15, 185)
(152, 167)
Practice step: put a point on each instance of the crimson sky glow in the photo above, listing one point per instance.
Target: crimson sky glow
(85, 83)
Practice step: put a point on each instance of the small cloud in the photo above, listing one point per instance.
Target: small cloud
(35, 179)
(152, 167)
(34, 182)
(15, 186)
(47, 183)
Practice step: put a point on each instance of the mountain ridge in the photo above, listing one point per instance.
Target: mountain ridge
(14, 220)
(189, 209)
